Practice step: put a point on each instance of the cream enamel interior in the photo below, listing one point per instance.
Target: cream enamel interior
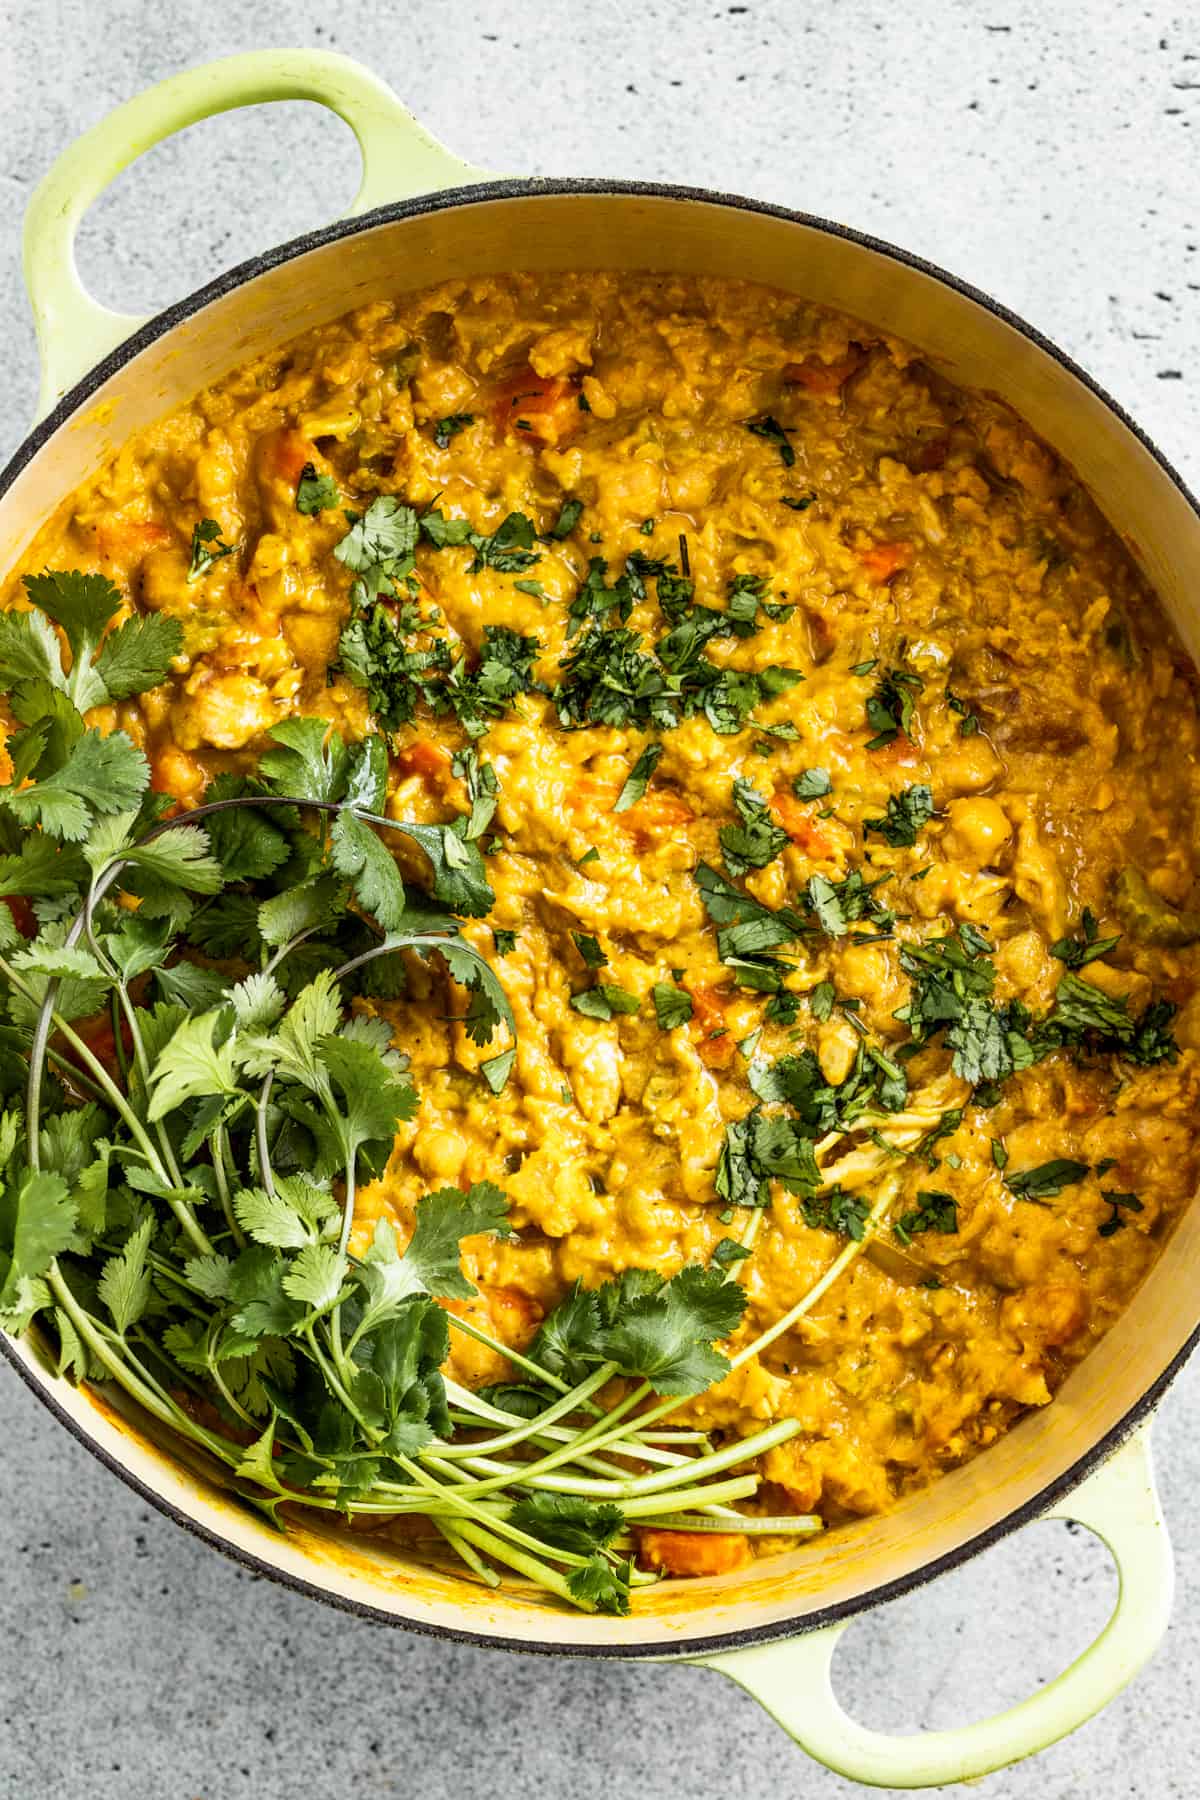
(975, 348)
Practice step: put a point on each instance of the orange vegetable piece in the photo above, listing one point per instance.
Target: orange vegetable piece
(882, 561)
(799, 823)
(128, 540)
(708, 1016)
(825, 378)
(173, 771)
(429, 760)
(282, 455)
(901, 753)
(693, 1552)
(655, 816)
(532, 406)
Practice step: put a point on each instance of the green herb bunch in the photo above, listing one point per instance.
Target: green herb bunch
(192, 1095)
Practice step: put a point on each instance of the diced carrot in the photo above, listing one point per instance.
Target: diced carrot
(128, 540)
(693, 1552)
(822, 377)
(882, 561)
(715, 1044)
(655, 816)
(423, 758)
(282, 455)
(22, 914)
(799, 823)
(532, 406)
(901, 753)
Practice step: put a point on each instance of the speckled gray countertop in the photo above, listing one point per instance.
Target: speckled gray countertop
(1050, 155)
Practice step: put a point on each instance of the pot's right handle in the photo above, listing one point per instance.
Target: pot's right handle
(792, 1680)
(399, 158)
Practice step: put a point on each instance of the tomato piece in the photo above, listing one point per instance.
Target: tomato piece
(798, 821)
(882, 561)
(430, 761)
(22, 914)
(708, 1019)
(533, 406)
(283, 454)
(693, 1552)
(654, 817)
(901, 753)
(825, 378)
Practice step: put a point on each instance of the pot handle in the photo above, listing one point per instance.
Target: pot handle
(399, 159)
(1120, 1505)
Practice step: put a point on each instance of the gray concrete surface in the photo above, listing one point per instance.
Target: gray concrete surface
(1050, 154)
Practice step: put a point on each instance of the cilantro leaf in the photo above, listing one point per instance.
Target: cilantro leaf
(443, 1219)
(934, 1211)
(567, 1522)
(775, 433)
(672, 1005)
(1047, 1179)
(604, 1001)
(449, 427)
(599, 1587)
(207, 548)
(758, 840)
(314, 493)
(38, 1219)
(811, 784)
(637, 779)
(907, 814)
(360, 855)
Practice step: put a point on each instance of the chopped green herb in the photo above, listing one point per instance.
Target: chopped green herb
(757, 840)
(907, 814)
(207, 548)
(1121, 1203)
(672, 1005)
(314, 493)
(836, 1210)
(775, 433)
(589, 948)
(604, 1002)
(934, 1211)
(1086, 945)
(812, 784)
(449, 427)
(1047, 1179)
(567, 520)
(635, 782)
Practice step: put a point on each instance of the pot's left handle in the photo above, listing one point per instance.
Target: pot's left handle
(1119, 1504)
(399, 159)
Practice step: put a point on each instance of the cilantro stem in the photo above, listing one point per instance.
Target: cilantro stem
(467, 1552)
(526, 1427)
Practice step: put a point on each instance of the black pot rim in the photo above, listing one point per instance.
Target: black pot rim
(497, 191)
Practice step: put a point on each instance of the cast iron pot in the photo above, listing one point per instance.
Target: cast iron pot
(422, 215)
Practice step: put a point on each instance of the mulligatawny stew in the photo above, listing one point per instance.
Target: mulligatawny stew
(601, 933)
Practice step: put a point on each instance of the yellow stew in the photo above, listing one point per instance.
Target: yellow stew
(836, 780)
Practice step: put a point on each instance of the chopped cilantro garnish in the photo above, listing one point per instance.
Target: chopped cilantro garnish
(604, 1001)
(449, 427)
(890, 707)
(638, 777)
(907, 814)
(1121, 1203)
(672, 1005)
(314, 493)
(567, 520)
(934, 1211)
(812, 784)
(207, 548)
(1086, 945)
(836, 1210)
(775, 433)
(757, 840)
(589, 948)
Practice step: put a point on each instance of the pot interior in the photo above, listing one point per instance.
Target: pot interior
(249, 313)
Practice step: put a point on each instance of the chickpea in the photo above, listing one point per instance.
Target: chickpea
(968, 766)
(979, 831)
(837, 1047)
(440, 1154)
